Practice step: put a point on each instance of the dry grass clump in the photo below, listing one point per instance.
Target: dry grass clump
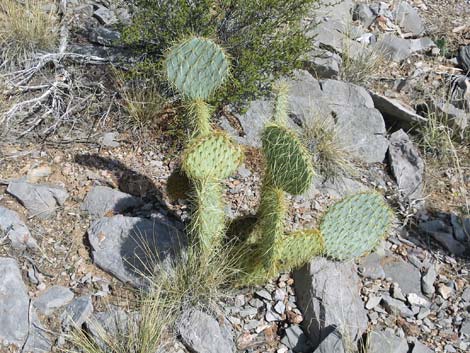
(361, 67)
(330, 158)
(141, 97)
(25, 29)
(142, 333)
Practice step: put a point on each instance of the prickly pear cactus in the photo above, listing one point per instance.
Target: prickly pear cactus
(212, 157)
(355, 225)
(196, 67)
(288, 161)
(297, 248)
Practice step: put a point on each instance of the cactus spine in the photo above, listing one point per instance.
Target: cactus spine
(196, 67)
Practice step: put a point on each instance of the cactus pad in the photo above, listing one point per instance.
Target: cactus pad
(297, 248)
(212, 157)
(196, 67)
(288, 161)
(355, 225)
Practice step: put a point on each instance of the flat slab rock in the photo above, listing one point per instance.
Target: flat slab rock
(201, 333)
(121, 245)
(40, 200)
(328, 293)
(405, 274)
(52, 299)
(14, 304)
(16, 230)
(101, 200)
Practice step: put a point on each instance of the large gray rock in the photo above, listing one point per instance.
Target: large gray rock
(52, 299)
(333, 343)
(407, 17)
(201, 333)
(421, 348)
(127, 246)
(360, 127)
(14, 228)
(362, 12)
(455, 117)
(323, 64)
(406, 165)
(461, 227)
(396, 113)
(396, 307)
(14, 304)
(101, 200)
(442, 233)
(328, 294)
(405, 274)
(381, 342)
(427, 281)
(399, 49)
(39, 199)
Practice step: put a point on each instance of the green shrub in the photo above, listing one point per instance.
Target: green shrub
(265, 38)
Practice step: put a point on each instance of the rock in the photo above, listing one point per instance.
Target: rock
(442, 233)
(396, 292)
(461, 227)
(333, 343)
(445, 291)
(324, 64)
(360, 126)
(201, 333)
(296, 339)
(40, 200)
(421, 348)
(264, 294)
(465, 328)
(414, 299)
(52, 299)
(406, 275)
(107, 37)
(120, 245)
(396, 307)
(37, 173)
(328, 294)
(14, 228)
(381, 342)
(396, 113)
(454, 117)
(14, 304)
(448, 348)
(399, 49)
(463, 58)
(335, 188)
(373, 301)
(105, 16)
(408, 19)
(466, 295)
(102, 200)
(113, 321)
(77, 312)
(407, 166)
(371, 266)
(363, 13)
(38, 341)
(427, 281)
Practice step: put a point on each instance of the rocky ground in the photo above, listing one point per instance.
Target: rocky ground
(74, 210)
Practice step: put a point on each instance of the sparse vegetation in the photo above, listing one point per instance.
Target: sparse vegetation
(25, 28)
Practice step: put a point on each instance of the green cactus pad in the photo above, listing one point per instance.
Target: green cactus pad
(355, 225)
(212, 157)
(288, 161)
(297, 248)
(196, 67)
